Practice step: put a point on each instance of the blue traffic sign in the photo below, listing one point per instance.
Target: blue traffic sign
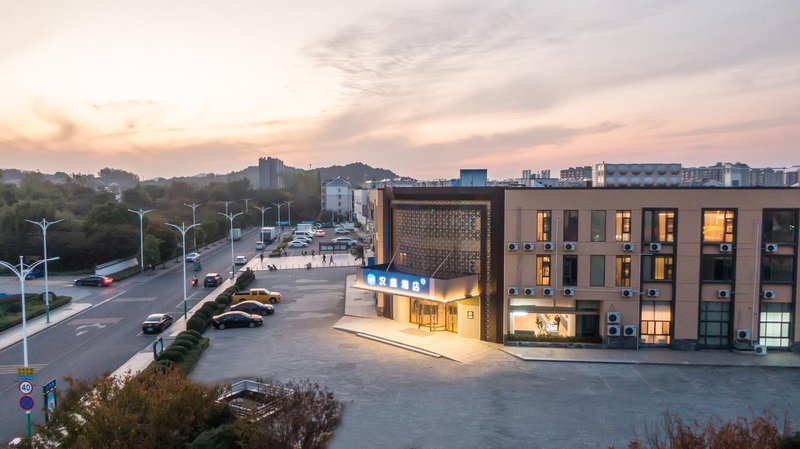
(26, 402)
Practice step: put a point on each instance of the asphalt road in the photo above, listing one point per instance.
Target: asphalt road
(102, 338)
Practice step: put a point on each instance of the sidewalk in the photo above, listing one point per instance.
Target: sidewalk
(12, 336)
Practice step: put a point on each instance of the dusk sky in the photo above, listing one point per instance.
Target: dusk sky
(179, 87)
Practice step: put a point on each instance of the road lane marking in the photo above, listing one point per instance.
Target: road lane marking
(142, 299)
(81, 330)
(93, 321)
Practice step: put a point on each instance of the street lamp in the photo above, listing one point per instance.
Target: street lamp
(246, 200)
(279, 214)
(44, 224)
(194, 221)
(263, 209)
(226, 205)
(21, 274)
(289, 203)
(141, 213)
(183, 229)
(230, 218)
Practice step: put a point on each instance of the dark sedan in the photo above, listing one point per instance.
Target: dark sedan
(97, 281)
(253, 307)
(236, 319)
(156, 322)
(212, 280)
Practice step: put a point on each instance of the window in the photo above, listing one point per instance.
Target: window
(657, 267)
(543, 218)
(597, 271)
(780, 226)
(714, 324)
(598, 226)
(714, 267)
(570, 226)
(774, 324)
(659, 226)
(777, 268)
(623, 271)
(623, 226)
(656, 319)
(570, 276)
(718, 226)
(542, 270)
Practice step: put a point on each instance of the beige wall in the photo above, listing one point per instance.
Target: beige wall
(520, 226)
(469, 327)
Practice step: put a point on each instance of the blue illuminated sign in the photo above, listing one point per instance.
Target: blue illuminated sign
(400, 283)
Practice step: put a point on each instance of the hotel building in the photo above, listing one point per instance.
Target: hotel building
(674, 267)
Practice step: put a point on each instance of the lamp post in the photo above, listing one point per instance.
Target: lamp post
(183, 229)
(226, 205)
(141, 213)
(279, 214)
(246, 200)
(289, 203)
(194, 222)
(21, 274)
(230, 218)
(44, 224)
(263, 209)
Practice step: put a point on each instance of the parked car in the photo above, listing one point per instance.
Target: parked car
(319, 233)
(253, 308)
(236, 319)
(97, 281)
(156, 322)
(260, 246)
(240, 260)
(348, 240)
(297, 244)
(261, 295)
(191, 257)
(212, 280)
(304, 238)
(341, 231)
(35, 273)
(327, 225)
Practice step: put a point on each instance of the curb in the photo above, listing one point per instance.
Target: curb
(394, 343)
(642, 362)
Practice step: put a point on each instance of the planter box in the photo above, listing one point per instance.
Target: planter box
(551, 344)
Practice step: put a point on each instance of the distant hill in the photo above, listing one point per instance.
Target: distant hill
(356, 173)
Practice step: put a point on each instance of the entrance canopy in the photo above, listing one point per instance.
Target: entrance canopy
(378, 278)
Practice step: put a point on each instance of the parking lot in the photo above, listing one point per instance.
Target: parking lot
(399, 399)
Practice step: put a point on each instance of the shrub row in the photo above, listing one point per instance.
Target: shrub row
(201, 319)
(552, 338)
(275, 253)
(184, 352)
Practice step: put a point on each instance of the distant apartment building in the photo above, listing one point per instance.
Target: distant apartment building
(361, 206)
(636, 175)
(337, 196)
(727, 174)
(270, 173)
(385, 183)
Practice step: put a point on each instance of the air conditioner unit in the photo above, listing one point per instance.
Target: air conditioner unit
(627, 293)
(771, 247)
(613, 330)
(723, 293)
(655, 247)
(628, 247)
(725, 247)
(549, 246)
(513, 291)
(629, 330)
(530, 291)
(528, 246)
(760, 349)
(547, 291)
(769, 294)
(613, 317)
(570, 246)
(569, 291)
(743, 334)
(513, 246)
(653, 292)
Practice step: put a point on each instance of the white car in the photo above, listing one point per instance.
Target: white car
(348, 240)
(191, 257)
(341, 231)
(297, 244)
(303, 238)
(260, 246)
(240, 260)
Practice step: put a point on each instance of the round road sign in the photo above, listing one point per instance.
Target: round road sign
(25, 387)
(26, 402)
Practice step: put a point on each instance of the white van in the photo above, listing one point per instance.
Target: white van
(309, 234)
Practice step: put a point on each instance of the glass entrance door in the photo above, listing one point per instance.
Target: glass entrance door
(452, 317)
(432, 315)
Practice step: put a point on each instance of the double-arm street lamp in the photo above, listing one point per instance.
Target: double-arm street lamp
(226, 205)
(279, 214)
(183, 229)
(194, 221)
(289, 203)
(230, 218)
(263, 209)
(141, 213)
(22, 273)
(44, 224)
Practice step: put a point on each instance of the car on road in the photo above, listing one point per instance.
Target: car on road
(319, 233)
(348, 240)
(97, 281)
(261, 295)
(260, 246)
(212, 280)
(341, 231)
(297, 244)
(156, 322)
(240, 260)
(253, 308)
(191, 257)
(236, 319)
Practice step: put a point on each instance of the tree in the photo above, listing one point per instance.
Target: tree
(137, 197)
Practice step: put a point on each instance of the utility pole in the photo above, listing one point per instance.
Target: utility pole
(183, 229)
(141, 213)
(230, 218)
(44, 225)
(194, 221)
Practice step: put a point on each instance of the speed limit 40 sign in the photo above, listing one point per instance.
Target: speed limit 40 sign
(25, 387)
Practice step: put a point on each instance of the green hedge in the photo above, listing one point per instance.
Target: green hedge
(552, 338)
(183, 353)
(275, 253)
(34, 304)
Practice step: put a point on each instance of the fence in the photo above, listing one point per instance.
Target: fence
(115, 266)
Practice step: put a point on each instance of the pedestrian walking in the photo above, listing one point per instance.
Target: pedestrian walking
(313, 253)
(261, 256)
(323, 258)
(330, 260)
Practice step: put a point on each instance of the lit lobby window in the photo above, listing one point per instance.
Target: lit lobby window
(623, 226)
(718, 226)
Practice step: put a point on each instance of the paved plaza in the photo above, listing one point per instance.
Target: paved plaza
(400, 399)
